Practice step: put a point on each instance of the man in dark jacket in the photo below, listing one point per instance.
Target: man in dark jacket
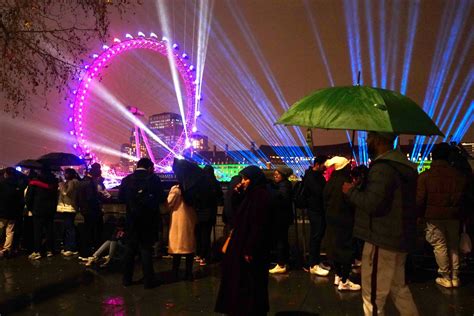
(143, 193)
(441, 196)
(42, 200)
(206, 213)
(11, 206)
(314, 183)
(385, 218)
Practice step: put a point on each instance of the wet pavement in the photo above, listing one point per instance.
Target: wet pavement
(62, 286)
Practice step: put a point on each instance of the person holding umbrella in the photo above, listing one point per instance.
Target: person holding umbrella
(42, 199)
(385, 219)
(182, 202)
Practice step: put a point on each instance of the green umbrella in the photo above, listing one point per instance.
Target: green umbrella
(360, 108)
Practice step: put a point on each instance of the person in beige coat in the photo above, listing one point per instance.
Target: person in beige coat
(182, 240)
(67, 209)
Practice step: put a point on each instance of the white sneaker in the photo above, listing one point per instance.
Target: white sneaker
(316, 269)
(447, 283)
(348, 286)
(49, 254)
(34, 256)
(278, 269)
(456, 282)
(337, 279)
(90, 261)
(69, 253)
(106, 262)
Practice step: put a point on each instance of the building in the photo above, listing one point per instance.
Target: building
(168, 127)
(199, 142)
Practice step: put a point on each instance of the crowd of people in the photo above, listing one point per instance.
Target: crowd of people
(366, 216)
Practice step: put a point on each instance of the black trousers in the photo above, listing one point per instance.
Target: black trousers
(43, 225)
(91, 234)
(189, 265)
(281, 244)
(343, 270)
(203, 239)
(134, 245)
(317, 222)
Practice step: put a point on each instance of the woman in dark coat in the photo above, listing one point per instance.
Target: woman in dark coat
(340, 222)
(282, 217)
(244, 283)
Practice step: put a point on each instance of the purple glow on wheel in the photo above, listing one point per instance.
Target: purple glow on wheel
(100, 61)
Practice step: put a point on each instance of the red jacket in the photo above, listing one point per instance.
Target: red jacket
(441, 192)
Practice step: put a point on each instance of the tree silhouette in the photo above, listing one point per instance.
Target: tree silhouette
(42, 43)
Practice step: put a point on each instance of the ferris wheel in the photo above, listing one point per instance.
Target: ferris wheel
(92, 71)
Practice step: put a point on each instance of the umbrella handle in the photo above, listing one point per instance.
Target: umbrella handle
(353, 135)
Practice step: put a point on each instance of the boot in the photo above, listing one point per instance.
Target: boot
(175, 269)
(189, 267)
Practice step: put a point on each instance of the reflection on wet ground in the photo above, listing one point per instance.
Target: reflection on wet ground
(61, 286)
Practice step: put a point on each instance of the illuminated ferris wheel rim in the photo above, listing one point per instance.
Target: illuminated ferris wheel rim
(94, 69)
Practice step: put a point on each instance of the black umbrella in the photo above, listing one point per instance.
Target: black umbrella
(30, 164)
(61, 159)
(187, 172)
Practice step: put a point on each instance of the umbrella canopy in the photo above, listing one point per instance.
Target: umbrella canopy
(360, 108)
(30, 164)
(61, 159)
(188, 173)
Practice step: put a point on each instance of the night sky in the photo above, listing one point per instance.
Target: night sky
(262, 55)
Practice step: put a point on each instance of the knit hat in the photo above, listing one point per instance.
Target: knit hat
(284, 171)
(337, 162)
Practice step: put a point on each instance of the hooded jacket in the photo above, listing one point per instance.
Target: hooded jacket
(386, 208)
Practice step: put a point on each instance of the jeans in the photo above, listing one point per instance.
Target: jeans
(69, 231)
(40, 225)
(110, 245)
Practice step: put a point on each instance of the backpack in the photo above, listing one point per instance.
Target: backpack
(141, 198)
(299, 197)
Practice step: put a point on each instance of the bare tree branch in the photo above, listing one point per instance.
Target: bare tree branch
(44, 42)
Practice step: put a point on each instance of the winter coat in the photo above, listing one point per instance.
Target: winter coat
(12, 199)
(339, 218)
(244, 286)
(230, 201)
(183, 220)
(88, 198)
(386, 208)
(42, 196)
(441, 192)
(68, 195)
(208, 212)
(143, 211)
(281, 204)
(314, 183)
